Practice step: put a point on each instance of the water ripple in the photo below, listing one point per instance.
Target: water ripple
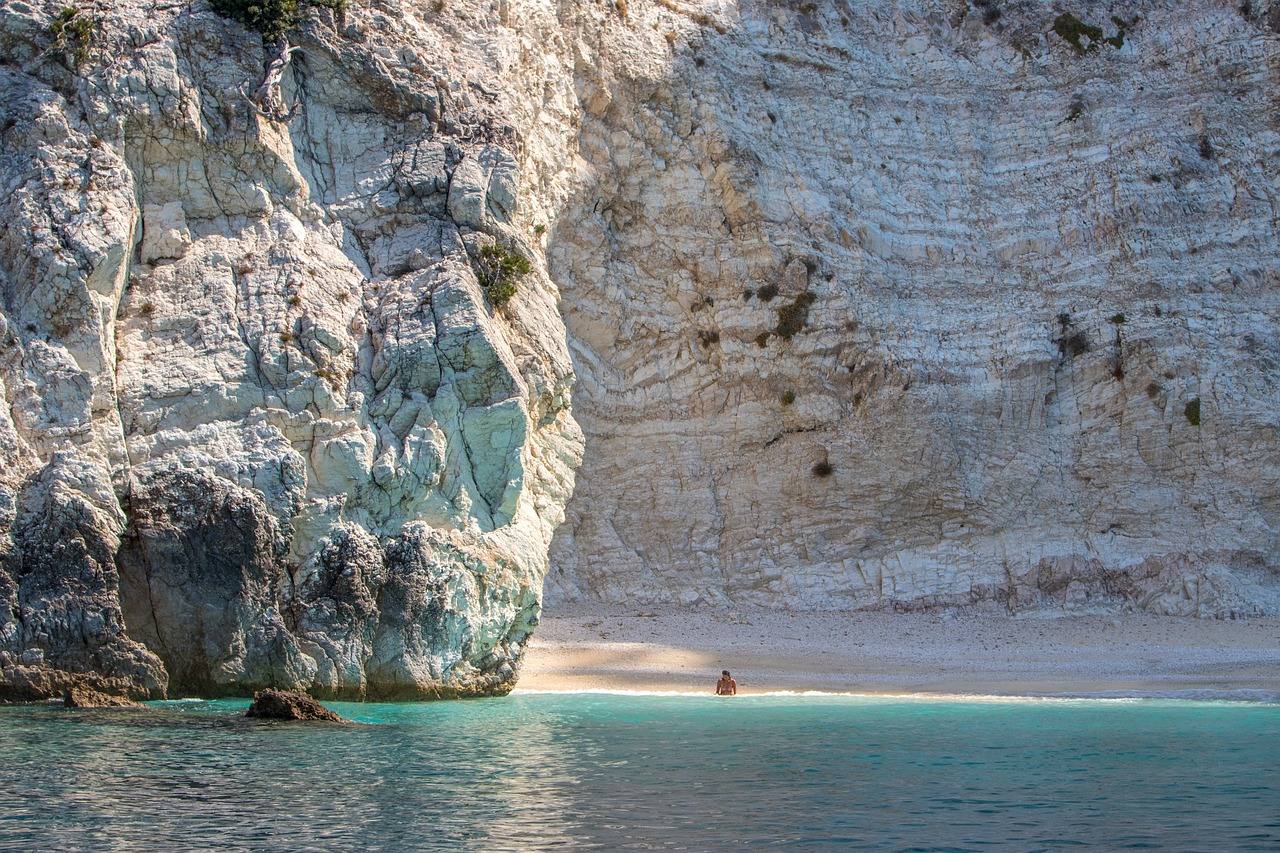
(617, 772)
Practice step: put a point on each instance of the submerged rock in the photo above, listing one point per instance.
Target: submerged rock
(287, 705)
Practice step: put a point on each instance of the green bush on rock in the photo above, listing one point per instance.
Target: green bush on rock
(72, 32)
(271, 18)
(1074, 31)
(794, 316)
(500, 271)
(1084, 37)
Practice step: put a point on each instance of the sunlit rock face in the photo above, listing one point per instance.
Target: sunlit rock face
(906, 304)
(262, 425)
(871, 304)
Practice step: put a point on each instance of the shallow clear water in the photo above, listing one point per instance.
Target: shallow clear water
(534, 772)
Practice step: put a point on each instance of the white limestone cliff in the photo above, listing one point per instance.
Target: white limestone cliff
(894, 304)
(906, 304)
(263, 426)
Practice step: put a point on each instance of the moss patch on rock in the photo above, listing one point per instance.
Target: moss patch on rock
(1192, 412)
(794, 316)
(1074, 31)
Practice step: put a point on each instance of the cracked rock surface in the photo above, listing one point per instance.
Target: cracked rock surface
(919, 303)
(870, 305)
(262, 427)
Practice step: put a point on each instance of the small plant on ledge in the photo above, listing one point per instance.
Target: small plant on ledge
(271, 18)
(1192, 412)
(72, 32)
(500, 271)
(1081, 36)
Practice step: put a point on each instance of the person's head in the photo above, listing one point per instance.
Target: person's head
(725, 673)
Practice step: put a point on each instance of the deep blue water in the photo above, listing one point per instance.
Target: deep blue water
(533, 772)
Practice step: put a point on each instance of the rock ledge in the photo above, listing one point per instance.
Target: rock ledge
(81, 696)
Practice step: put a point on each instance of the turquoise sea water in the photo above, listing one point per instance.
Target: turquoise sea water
(613, 772)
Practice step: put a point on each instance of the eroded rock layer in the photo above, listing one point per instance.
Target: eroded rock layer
(887, 304)
(905, 304)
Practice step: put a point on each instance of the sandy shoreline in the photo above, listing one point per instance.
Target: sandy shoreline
(598, 648)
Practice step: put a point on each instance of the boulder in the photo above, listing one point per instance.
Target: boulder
(286, 705)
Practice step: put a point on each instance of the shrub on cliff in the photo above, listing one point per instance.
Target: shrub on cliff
(1081, 36)
(794, 316)
(271, 18)
(1084, 37)
(500, 271)
(72, 32)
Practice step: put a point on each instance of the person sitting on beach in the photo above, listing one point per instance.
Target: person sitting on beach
(726, 686)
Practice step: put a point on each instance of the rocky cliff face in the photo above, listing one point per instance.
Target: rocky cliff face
(899, 303)
(262, 425)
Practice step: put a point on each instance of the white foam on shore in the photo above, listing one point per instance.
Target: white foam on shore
(1231, 697)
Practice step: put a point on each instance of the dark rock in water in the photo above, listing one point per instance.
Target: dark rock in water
(287, 705)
